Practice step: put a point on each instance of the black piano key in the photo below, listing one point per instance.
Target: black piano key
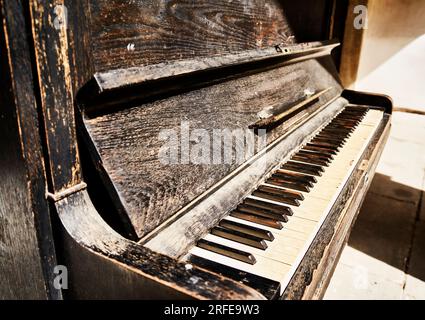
(305, 159)
(227, 251)
(297, 175)
(279, 209)
(348, 117)
(283, 192)
(320, 149)
(335, 142)
(268, 288)
(340, 133)
(303, 168)
(262, 212)
(336, 132)
(260, 233)
(345, 122)
(258, 220)
(276, 198)
(328, 135)
(318, 154)
(325, 138)
(289, 184)
(323, 145)
(239, 237)
(313, 155)
(294, 179)
(340, 128)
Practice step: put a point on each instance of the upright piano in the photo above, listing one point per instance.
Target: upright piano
(181, 149)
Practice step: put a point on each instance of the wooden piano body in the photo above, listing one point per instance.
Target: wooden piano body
(90, 84)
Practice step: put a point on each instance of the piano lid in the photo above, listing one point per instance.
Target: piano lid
(171, 77)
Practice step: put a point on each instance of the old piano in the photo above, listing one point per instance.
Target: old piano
(179, 149)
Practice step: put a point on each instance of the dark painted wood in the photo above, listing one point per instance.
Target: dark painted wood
(27, 256)
(128, 34)
(55, 59)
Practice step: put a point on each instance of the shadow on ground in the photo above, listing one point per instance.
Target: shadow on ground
(389, 229)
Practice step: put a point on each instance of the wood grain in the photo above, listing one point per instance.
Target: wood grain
(53, 62)
(127, 140)
(27, 255)
(104, 265)
(136, 33)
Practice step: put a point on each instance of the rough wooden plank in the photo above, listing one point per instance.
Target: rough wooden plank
(27, 255)
(135, 33)
(53, 62)
(128, 144)
(133, 272)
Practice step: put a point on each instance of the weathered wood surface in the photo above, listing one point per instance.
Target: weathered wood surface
(135, 33)
(104, 265)
(27, 255)
(128, 144)
(53, 50)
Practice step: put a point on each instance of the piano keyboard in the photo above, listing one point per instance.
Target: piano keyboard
(268, 234)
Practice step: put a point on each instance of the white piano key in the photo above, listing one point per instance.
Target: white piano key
(267, 268)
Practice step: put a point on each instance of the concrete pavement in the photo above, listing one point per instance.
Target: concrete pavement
(385, 255)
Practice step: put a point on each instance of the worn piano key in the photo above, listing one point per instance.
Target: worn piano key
(268, 288)
(351, 122)
(276, 198)
(278, 250)
(327, 142)
(334, 141)
(323, 145)
(264, 267)
(341, 126)
(279, 209)
(324, 135)
(338, 132)
(303, 168)
(300, 186)
(312, 155)
(296, 175)
(262, 212)
(258, 232)
(319, 149)
(240, 237)
(258, 220)
(280, 191)
(318, 154)
(227, 251)
(310, 160)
